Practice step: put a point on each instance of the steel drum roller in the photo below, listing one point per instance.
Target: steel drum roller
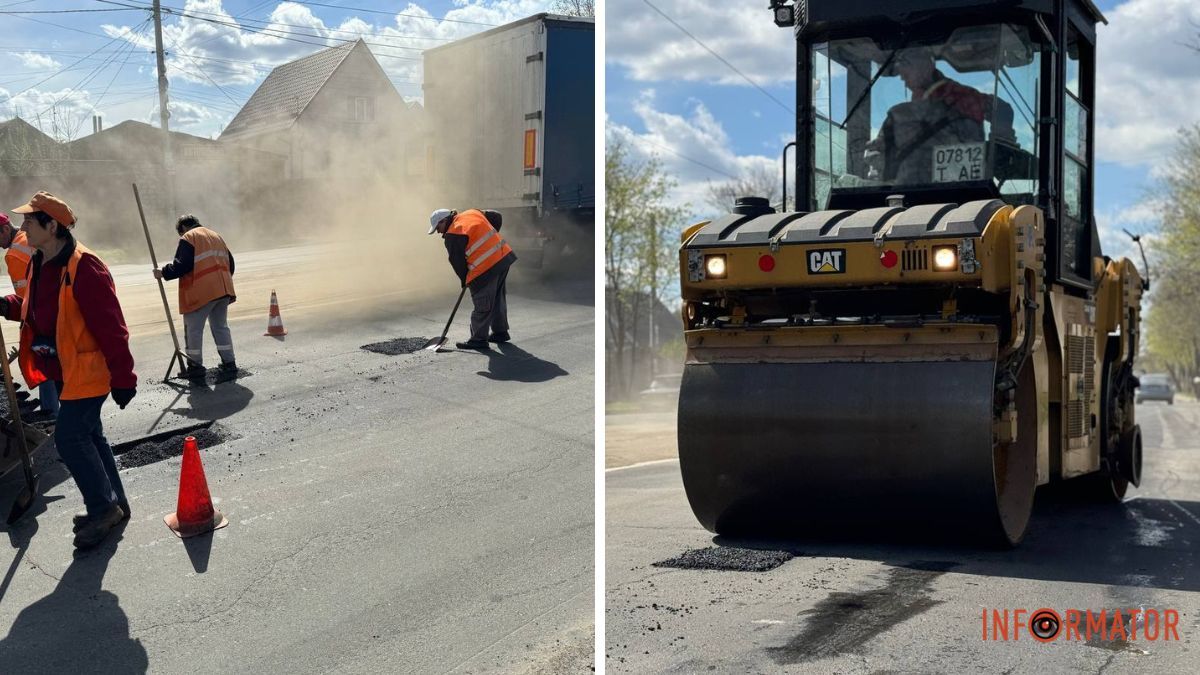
(855, 443)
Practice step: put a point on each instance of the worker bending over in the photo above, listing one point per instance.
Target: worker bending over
(204, 267)
(480, 258)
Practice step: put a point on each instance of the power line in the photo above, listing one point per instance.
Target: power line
(175, 43)
(640, 139)
(721, 58)
(64, 11)
(40, 82)
(269, 31)
(379, 11)
(95, 106)
(283, 35)
(331, 30)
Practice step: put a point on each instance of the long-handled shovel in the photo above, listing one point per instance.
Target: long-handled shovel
(178, 355)
(436, 343)
(29, 492)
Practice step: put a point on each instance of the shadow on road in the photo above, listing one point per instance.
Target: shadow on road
(78, 627)
(214, 402)
(1149, 543)
(513, 364)
(199, 548)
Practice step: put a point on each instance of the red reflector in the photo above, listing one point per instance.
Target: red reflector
(889, 259)
(766, 263)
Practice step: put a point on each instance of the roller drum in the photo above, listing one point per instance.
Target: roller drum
(802, 446)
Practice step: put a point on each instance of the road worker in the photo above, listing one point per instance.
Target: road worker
(73, 333)
(204, 267)
(480, 258)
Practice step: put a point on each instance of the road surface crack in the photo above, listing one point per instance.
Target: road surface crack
(225, 610)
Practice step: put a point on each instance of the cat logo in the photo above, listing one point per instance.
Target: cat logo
(827, 261)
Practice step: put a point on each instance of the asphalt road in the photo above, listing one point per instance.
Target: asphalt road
(858, 607)
(414, 513)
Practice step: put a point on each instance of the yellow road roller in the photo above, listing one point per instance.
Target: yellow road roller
(931, 331)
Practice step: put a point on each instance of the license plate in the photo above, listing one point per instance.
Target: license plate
(959, 163)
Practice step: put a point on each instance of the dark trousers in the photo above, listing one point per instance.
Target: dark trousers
(491, 304)
(79, 437)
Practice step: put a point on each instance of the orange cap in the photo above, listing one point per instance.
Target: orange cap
(51, 206)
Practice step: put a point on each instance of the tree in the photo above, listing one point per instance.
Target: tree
(575, 7)
(759, 181)
(1172, 324)
(640, 233)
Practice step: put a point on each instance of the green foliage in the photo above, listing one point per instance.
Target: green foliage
(641, 236)
(1172, 320)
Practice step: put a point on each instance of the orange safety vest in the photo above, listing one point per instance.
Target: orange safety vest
(17, 259)
(485, 247)
(85, 372)
(210, 278)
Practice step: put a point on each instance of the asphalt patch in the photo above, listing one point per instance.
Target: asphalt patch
(397, 346)
(728, 558)
(169, 444)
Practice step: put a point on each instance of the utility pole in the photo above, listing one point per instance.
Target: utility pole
(163, 112)
(653, 290)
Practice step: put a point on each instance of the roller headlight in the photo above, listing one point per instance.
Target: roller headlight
(945, 258)
(714, 266)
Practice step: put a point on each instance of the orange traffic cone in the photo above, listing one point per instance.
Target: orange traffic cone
(194, 512)
(274, 321)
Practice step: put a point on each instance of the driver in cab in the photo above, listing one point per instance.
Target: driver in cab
(942, 112)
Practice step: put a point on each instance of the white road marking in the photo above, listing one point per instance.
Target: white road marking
(1185, 512)
(634, 466)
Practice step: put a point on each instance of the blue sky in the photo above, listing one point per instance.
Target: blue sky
(58, 69)
(668, 97)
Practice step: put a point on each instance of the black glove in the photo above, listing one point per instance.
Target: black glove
(122, 397)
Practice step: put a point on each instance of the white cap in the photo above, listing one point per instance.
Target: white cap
(437, 217)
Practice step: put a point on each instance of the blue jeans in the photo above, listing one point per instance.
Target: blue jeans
(48, 395)
(79, 437)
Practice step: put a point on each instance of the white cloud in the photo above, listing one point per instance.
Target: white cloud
(1148, 79)
(239, 52)
(742, 33)
(695, 150)
(1140, 218)
(34, 61)
(1148, 76)
(62, 114)
(185, 114)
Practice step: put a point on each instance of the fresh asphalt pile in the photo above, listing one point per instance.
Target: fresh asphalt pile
(397, 346)
(158, 448)
(728, 558)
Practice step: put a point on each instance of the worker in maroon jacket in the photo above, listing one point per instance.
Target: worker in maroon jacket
(73, 333)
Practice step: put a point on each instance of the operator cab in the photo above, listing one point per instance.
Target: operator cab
(951, 102)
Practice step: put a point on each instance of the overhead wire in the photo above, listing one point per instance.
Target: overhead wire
(133, 51)
(404, 14)
(296, 25)
(685, 157)
(62, 11)
(720, 58)
(77, 62)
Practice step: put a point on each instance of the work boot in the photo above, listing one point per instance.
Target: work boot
(228, 368)
(499, 337)
(195, 372)
(81, 517)
(96, 530)
(472, 344)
